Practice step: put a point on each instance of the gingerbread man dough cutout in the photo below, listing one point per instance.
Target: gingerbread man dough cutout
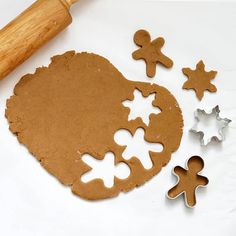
(150, 52)
(188, 181)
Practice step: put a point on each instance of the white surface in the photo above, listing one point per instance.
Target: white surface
(32, 202)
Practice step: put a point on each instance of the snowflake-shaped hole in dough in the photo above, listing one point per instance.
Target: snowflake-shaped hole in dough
(104, 169)
(141, 107)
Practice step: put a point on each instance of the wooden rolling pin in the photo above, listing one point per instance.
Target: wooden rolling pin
(30, 30)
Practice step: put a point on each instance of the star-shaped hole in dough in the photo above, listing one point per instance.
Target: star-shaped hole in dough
(199, 80)
(141, 107)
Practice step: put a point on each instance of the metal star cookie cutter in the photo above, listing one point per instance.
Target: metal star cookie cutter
(224, 123)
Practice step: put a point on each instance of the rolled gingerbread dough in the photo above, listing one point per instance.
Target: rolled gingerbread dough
(74, 107)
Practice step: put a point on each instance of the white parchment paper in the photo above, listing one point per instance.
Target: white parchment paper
(32, 202)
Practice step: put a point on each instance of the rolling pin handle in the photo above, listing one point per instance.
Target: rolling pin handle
(69, 3)
(38, 24)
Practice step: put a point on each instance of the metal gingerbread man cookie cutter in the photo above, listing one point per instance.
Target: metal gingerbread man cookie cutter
(188, 181)
(224, 123)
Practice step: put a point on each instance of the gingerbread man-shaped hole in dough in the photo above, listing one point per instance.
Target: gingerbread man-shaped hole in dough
(150, 52)
(189, 180)
(137, 146)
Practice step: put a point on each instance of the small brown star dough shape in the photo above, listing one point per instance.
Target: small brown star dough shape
(199, 80)
(150, 52)
(188, 181)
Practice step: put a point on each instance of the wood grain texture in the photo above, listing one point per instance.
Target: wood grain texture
(70, 2)
(30, 30)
